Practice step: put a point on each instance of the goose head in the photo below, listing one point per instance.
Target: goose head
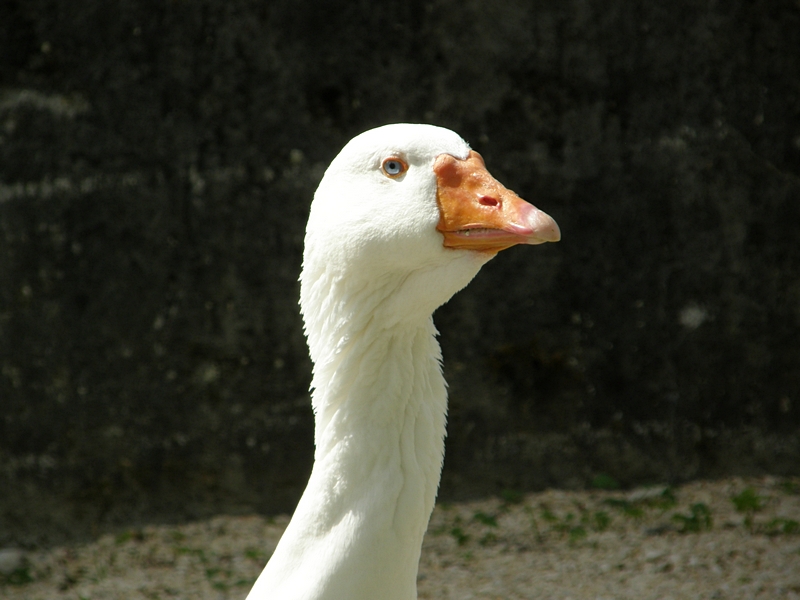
(404, 217)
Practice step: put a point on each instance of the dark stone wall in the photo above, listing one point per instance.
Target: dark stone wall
(157, 160)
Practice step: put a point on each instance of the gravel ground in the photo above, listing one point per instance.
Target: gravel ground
(733, 538)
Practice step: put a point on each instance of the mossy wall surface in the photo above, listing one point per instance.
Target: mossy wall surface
(157, 161)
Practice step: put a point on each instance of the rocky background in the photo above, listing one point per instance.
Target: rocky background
(157, 161)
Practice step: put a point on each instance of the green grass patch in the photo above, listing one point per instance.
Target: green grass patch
(512, 496)
(548, 515)
(570, 526)
(748, 501)
(485, 519)
(601, 520)
(136, 535)
(20, 576)
(782, 526)
(626, 507)
(699, 519)
(577, 533)
(177, 536)
(666, 499)
(459, 535)
(255, 554)
(601, 481)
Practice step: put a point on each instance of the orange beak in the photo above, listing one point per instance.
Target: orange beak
(478, 213)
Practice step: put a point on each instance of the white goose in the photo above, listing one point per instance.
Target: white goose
(404, 217)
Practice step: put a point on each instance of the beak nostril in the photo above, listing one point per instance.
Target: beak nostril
(488, 201)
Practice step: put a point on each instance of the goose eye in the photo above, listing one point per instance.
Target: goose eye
(393, 167)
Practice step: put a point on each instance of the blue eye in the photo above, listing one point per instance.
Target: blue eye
(393, 166)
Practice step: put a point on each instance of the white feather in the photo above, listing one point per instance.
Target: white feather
(374, 270)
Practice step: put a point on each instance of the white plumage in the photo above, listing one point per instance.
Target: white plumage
(396, 228)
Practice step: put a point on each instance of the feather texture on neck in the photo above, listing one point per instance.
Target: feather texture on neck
(380, 401)
(383, 250)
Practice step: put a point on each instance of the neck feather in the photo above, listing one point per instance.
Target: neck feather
(380, 402)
